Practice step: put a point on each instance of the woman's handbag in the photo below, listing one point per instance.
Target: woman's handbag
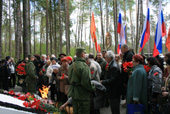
(135, 109)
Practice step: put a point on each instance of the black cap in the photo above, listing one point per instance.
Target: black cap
(91, 56)
(62, 54)
(8, 57)
(53, 58)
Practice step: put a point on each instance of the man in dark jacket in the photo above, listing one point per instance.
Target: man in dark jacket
(38, 66)
(7, 73)
(112, 82)
(2, 73)
(127, 57)
(102, 63)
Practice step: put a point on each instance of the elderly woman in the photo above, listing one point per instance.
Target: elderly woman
(137, 84)
(155, 82)
(63, 80)
(49, 75)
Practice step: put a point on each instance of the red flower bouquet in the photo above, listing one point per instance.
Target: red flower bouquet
(127, 66)
(21, 69)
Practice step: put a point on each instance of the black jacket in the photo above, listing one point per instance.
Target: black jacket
(112, 80)
(127, 57)
(38, 65)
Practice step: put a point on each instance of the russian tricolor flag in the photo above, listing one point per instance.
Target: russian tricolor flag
(146, 31)
(121, 31)
(160, 32)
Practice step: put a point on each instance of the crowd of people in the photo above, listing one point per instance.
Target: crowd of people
(89, 83)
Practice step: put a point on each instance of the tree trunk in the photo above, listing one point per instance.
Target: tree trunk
(125, 20)
(90, 25)
(55, 29)
(47, 27)
(67, 25)
(101, 17)
(29, 26)
(131, 26)
(82, 26)
(41, 32)
(76, 30)
(16, 6)
(137, 19)
(26, 50)
(68, 21)
(1, 4)
(6, 33)
(141, 21)
(115, 24)
(6, 36)
(60, 27)
(50, 32)
(10, 51)
(34, 29)
(107, 17)
(15, 26)
(19, 30)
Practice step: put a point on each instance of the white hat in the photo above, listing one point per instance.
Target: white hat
(55, 66)
(43, 55)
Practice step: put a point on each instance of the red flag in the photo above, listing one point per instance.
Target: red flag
(93, 35)
(168, 40)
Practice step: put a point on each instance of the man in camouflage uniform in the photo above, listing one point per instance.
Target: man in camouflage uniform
(81, 87)
(31, 77)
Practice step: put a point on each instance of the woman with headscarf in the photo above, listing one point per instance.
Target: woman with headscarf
(49, 75)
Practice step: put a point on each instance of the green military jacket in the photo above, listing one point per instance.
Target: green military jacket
(30, 73)
(79, 78)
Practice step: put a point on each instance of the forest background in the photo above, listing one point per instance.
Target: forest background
(59, 26)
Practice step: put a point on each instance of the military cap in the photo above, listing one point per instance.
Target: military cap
(80, 50)
(29, 56)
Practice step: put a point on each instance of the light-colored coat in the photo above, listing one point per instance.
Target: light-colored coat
(49, 72)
